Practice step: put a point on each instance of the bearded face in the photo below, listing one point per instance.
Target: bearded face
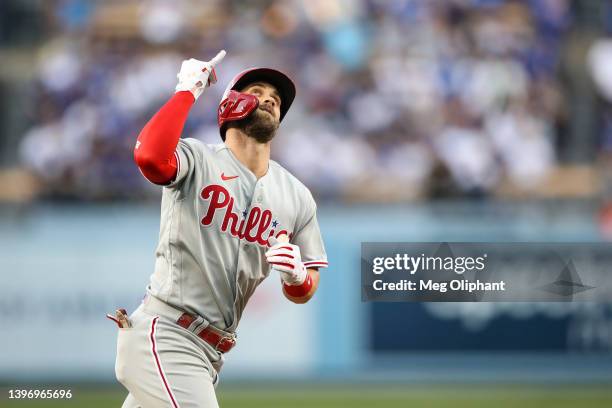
(263, 122)
(261, 125)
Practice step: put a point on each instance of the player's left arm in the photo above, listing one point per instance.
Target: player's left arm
(299, 261)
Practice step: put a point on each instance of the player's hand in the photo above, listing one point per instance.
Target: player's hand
(196, 75)
(286, 258)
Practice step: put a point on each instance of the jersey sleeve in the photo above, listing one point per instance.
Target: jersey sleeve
(188, 155)
(309, 239)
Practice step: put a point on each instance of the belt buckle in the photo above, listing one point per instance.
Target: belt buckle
(228, 341)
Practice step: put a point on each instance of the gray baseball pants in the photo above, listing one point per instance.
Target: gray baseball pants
(163, 365)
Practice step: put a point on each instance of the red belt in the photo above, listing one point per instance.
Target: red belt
(220, 341)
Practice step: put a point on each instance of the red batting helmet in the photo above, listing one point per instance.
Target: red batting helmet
(235, 105)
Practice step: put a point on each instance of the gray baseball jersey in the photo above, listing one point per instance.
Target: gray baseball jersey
(216, 219)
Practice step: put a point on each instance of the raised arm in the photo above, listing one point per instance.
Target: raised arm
(155, 149)
(156, 145)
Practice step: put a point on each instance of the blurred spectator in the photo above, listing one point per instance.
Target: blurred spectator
(391, 95)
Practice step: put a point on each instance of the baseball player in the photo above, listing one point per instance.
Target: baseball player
(229, 215)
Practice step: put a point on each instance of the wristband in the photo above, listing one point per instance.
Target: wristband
(299, 291)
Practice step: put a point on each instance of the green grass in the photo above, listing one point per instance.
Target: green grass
(356, 396)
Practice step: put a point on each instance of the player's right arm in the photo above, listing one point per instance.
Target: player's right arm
(155, 151)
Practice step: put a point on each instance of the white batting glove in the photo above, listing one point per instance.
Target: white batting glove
(286, 258)
(196, 75)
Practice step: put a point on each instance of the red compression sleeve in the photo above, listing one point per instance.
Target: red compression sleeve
(154, 152)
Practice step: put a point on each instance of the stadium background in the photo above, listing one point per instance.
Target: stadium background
(464, 120)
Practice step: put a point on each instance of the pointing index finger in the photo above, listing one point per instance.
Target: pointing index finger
(217, 59)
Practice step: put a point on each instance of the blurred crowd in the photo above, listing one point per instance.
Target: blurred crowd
(397, 100)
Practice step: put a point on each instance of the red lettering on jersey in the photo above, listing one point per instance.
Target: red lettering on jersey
(252, 222)
(230, 216)
(215, 201)
(266, 220)
(252, 228)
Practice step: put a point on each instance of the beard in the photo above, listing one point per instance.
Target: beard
(259, 125)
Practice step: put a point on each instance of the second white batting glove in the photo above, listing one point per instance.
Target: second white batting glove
(196, 75)
(286, 258)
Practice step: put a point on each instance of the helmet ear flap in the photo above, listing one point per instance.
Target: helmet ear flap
(235, 106)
